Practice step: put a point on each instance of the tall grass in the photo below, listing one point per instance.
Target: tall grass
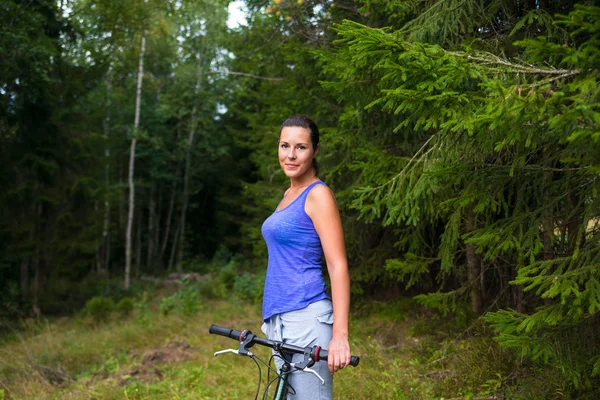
(171, 357)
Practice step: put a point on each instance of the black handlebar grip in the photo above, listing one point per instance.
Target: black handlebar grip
(323, 354)
(219, 330)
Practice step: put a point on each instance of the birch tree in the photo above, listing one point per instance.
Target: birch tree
(136, 125)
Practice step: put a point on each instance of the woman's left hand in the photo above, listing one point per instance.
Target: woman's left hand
(338, 354)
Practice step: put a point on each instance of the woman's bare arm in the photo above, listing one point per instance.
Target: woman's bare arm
(322, 208)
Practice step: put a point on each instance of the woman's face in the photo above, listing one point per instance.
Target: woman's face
(296, 152)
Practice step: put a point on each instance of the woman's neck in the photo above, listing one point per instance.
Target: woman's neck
(300, 182)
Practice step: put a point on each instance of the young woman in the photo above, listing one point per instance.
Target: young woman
(305, 226)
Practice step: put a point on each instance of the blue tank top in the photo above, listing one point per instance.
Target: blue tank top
(294, 270)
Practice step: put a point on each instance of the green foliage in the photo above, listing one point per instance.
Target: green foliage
(249, 287)
(460, 138)
(142, 308)
(185, 302)
(167, 305)
(552, 341)
(409, 269)
(493, 169)
(125, 306)
(99, 308)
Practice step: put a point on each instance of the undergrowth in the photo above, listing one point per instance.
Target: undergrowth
(407, 352)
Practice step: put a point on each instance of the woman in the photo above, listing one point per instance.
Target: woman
(305, 226)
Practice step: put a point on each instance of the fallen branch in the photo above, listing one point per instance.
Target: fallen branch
(438, 374)
(478, 398)
(53, 376)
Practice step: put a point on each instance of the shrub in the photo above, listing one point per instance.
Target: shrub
(167, 305)
(99, 308)
(228, 275)
(249, 287)
(143, 310)
(125, 306)
(186, 301)
(213, 289)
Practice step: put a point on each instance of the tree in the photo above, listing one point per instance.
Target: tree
(47, 185)
(136, 126)
(500, 152)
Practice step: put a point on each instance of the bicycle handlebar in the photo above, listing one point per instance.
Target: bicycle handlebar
(316, 352)
(230, 333)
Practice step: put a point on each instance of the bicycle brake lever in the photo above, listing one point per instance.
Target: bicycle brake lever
(309, 370)
(234, 351)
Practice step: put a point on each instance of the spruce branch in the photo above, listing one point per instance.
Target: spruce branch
(401, 173)
(429, 14)
(485, 58)
(535, 168)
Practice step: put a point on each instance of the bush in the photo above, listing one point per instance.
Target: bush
(228, 275)
(249, 287)
(186, 301)
(213, 289)
(167, 304)
(189, 299)
(99, 308)
(125, 306)
(143, 310)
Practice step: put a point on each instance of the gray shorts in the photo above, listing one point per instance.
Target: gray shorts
(309, 326)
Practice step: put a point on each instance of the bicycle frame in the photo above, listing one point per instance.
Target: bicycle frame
(281, 390)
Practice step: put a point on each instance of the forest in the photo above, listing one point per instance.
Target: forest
(139, 138)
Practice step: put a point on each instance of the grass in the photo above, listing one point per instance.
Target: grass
(171, 357)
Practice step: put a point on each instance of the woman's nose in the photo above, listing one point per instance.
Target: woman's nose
(291, 154)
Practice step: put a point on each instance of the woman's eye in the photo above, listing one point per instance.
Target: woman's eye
(284, 146)
(301, 147)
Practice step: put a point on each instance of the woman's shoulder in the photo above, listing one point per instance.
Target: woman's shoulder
(319, 190)
(320, 198)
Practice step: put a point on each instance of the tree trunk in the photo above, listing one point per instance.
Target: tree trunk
(28, 259)
(38, 272)
(106, 226)
(163, 247)
(41, 275)
(575, 225)
(122, 200)
(473, 267)
(547, 225)
(138, 100)
(173, 249)
(188, 162)
(138, 245)
(40, 283)
(519, 298)
(157, 220)
(24, 281)
(150, 245)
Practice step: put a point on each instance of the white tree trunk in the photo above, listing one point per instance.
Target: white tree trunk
(138, 100)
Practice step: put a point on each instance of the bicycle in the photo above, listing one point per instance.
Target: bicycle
(247, 339)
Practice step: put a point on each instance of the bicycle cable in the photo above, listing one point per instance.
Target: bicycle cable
(291, 389)
(259, 376)
(254, 358)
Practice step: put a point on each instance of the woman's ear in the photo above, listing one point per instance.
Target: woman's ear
(317, 150)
